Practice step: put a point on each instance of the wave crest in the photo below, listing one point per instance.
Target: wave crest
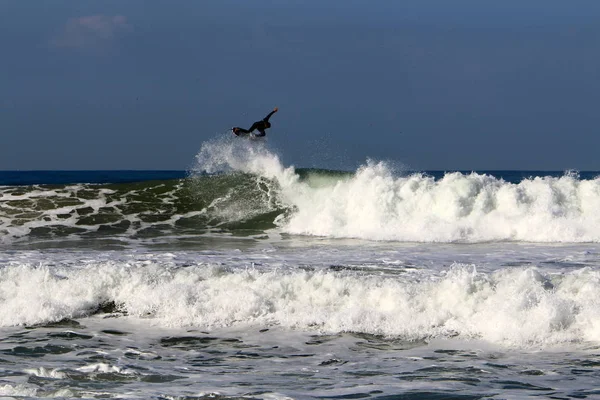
(243, 185)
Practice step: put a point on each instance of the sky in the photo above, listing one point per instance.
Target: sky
(422, 84)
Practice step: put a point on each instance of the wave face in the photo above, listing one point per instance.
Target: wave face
(243, 187)
(138, 211)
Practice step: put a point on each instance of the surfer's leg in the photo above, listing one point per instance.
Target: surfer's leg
(260, 134)
(255, 126)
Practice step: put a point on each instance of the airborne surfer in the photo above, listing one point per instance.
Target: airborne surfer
(260, 126)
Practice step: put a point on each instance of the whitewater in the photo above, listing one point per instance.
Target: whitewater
(378, 203)
(251, 278)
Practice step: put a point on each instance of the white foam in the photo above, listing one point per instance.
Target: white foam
(17, 390)
(223, 155)
(104, 368)
(519, 307)
(375, 204)
(46, 373)
(458, 208)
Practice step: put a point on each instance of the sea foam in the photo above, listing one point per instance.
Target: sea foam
(520, 307)
(377, 204)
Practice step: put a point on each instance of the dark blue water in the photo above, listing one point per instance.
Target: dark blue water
(112, 176)
(67, 177)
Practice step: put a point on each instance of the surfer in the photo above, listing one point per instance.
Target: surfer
(260, 126)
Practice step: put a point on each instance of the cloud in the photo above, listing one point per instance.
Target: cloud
(91, 31)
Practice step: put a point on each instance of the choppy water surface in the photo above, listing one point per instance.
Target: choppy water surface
(281, 319)
(248, 278)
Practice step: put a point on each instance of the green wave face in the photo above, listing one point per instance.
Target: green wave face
(238, 203)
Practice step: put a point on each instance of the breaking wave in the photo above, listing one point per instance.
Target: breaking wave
(521, 307)
(242, 186)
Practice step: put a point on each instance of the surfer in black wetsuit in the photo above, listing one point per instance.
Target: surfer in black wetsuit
(260, 126)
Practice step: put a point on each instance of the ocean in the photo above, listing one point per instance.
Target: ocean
(247, 278)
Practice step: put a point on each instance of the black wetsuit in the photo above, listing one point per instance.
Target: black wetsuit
(260, 126)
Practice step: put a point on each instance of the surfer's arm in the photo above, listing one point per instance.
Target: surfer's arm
(266, 119)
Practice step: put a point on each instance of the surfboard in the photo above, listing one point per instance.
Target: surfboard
(247, 135)
(237, 133)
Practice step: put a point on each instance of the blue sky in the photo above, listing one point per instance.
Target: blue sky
(428, 84)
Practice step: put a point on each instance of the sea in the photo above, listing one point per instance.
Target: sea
(246, 278)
